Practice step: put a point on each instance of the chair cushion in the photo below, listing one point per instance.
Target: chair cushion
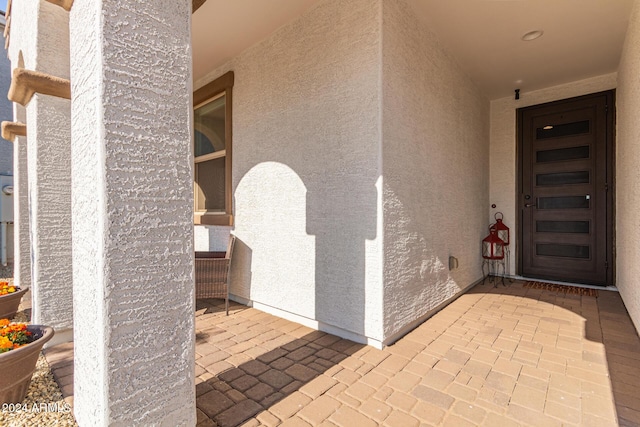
(210, 254)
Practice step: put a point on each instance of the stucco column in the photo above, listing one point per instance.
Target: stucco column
(21, 244)
(48, 169)
(49, 177)
(132, 213)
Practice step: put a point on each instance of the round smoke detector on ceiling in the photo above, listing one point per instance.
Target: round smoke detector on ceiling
(532, 35)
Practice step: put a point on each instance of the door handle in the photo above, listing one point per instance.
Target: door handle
(527, 197)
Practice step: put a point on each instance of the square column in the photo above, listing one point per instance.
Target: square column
(132, 213)
(39, 42)
(49, 184)
(21, 244)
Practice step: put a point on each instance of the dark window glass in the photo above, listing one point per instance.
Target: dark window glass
(209, 124)
(562, 178)
(562, 226)
(567, 129)
(564, 251)
(566, 202)
(210, 185)
(561, 154)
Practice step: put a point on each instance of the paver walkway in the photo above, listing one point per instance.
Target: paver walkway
(495, 357)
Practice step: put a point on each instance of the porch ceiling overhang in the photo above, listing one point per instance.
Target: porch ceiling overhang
(221, 29)
(582, 38)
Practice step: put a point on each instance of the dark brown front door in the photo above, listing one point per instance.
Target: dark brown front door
(565, 152)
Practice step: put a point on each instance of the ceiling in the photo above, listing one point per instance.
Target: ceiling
(221, 29)
(582, 38)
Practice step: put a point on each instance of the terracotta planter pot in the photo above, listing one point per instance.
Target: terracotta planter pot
(9, 304)
(17, 365)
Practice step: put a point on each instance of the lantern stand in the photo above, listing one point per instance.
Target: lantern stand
(493, 256)
(503, 233)
(507, 259)
(493, 271)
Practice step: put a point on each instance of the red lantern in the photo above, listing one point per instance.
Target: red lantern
(492, 245)
(503, 230)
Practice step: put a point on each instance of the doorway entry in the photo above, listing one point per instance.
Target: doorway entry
(565, 190)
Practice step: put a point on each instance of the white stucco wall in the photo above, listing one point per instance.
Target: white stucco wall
(211, 238)
(44, 48)
(435, 168)
(503, 143)
(627, 171)
(22, 244)
(49, 176)
(306, 145)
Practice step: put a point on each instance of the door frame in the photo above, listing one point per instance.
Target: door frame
(610, 161)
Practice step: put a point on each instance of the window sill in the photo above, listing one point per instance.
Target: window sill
(204, 218)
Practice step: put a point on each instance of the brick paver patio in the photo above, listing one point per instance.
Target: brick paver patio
(495, 356)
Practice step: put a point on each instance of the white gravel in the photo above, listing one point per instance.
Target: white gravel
(43, 406)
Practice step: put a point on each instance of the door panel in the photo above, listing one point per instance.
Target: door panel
(562, 154)
(565, 155)
(562, 178)
(581, 227)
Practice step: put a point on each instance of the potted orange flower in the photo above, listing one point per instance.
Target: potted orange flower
(10, 297)
(20, 346)
(13, 335)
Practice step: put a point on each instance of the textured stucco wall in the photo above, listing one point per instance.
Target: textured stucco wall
(627, 171)
(39, 41)
(133, 213)
(39, 37)
(305, 167)
(435, 168)
(22, 244)
(49, 176)
(503, 142)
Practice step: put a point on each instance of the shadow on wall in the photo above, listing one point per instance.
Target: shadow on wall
(303, 242)
(342, 218)
(241, 264)
(309, 246)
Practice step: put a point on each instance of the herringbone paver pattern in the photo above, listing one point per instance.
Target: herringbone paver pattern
(494, 357)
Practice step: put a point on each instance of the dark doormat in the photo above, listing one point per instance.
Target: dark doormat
(573, 290)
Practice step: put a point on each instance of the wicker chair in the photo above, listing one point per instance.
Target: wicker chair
(212, 274)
